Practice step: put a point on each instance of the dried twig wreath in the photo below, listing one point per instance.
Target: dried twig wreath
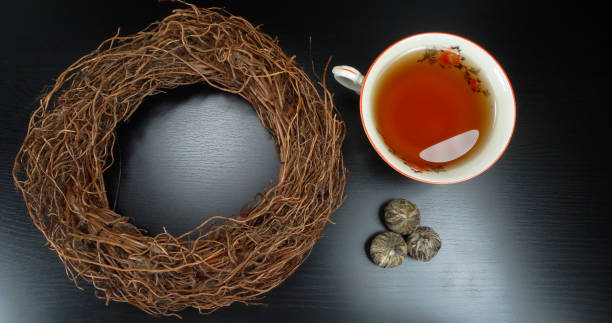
(69, 145)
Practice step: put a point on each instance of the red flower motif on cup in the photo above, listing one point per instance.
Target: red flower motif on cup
(475, 84)
(449, 57)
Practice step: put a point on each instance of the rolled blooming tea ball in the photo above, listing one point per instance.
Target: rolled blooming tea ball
(423, 243)
(402, 216)
(388, 249)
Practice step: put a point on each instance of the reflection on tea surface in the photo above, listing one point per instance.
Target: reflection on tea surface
(450, 149)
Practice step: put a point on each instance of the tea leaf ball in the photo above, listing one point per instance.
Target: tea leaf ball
(388, 249)
(402, 216)
(423, 244)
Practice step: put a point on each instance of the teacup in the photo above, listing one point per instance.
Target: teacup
(500, 91)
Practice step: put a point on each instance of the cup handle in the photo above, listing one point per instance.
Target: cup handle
(349, 77)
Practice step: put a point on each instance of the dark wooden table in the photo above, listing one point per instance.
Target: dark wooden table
(527, 241)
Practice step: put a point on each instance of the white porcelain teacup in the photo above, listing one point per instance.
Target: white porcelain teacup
(500, 91)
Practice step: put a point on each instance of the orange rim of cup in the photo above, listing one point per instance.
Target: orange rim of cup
(396, 168)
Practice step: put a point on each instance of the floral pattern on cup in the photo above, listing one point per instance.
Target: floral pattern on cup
(451, 57)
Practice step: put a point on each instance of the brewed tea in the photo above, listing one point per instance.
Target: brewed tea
(433, 109)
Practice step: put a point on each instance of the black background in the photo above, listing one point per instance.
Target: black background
(527, 241)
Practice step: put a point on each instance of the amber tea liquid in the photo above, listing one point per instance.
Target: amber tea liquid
(426, 98)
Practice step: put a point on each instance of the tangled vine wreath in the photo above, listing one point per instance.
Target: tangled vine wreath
(69, 145)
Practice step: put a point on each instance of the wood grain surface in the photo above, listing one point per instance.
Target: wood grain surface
(527, 241)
